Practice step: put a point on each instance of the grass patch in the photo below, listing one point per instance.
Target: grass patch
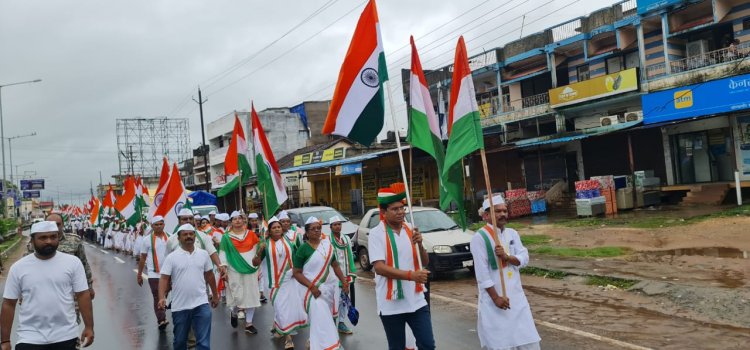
(654, 221)
(528, 240)
(540, 272)
(9, 242)
(597, 252)
(514, 225)
(604, 281)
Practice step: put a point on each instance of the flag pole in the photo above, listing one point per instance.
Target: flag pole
(492, 213)
(403, 168)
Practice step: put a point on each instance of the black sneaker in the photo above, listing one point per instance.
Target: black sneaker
(163, 325)
(263, 299)
(251, 329)
(233, 320)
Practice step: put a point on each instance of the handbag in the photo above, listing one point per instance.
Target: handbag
(353, 313)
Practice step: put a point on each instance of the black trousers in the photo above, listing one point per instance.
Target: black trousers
(63, 345)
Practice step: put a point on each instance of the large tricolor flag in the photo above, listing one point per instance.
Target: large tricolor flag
(127, 204)
(108, 202)
(159, 195)
(141, 195)
(424, 133)
(174, 199)
(464, 131)
(269, 178)
(236, 163)
(94, 212)
(357, 108)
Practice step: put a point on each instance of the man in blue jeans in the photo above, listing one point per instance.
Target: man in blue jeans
(399, 280)
(188, 270)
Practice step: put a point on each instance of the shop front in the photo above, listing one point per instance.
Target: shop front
(702, 126)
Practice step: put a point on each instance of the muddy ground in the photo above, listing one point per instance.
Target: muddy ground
(692, 291)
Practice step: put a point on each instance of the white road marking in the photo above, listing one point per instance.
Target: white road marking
(541, 323)
(103, 251)
(119, 260)
(144, 275)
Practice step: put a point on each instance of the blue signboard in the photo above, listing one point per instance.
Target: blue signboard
(351, 169)
(713, 97)
(645, 6)
(37, 184)
(31, 194)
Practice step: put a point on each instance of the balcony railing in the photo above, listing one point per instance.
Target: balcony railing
(720, 56)
(490, 107)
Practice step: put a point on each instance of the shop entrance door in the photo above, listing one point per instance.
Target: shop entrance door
(693, 157)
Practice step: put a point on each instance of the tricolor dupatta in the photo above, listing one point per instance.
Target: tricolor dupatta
(490, 252)
(391, 251)
(275, 269)
(154, 258)
(234, 258)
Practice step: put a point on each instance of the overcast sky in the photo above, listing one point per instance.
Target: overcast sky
(103, 60)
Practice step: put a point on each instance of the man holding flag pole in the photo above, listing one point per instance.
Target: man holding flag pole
(357, 112)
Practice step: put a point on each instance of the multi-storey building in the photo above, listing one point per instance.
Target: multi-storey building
(657, 85)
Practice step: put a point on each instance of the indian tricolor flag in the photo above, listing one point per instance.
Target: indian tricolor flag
(94, 212)
(160, 189)
(174, 199)
(236, 164)
(464, 132)
(270, 182)
(127, 205)
(424, 133)
(109, 200)
(357, 108)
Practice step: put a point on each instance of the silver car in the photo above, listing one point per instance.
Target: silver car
(300, 215)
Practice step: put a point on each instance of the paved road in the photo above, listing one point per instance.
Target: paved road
(124, 318)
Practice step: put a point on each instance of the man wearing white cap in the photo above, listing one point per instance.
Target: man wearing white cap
(202, 241)
(152, 256)
(212, 217)
(499, 325)
(48, 281)
(290, 231)
(240, 253)
(185, 216)
(343, 248)
(188, 270)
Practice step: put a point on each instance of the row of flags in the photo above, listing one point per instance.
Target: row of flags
(357, 107)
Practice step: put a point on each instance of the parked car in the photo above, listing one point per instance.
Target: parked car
(445, 242)
(300, 215)
(203, 210)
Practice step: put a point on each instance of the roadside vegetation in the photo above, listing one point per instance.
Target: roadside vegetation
(646, 222)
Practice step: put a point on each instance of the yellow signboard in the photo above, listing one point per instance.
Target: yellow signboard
(607, 85)
(319, 156)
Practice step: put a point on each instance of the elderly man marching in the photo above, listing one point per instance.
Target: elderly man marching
(240, 253)
(399, 280)
(343, 248)
(503, 323)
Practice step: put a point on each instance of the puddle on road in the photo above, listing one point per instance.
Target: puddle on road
(718, 252)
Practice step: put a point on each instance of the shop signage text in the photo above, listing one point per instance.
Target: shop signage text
(319, 156)
(594, 88)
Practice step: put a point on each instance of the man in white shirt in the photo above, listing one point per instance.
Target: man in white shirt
(499, 325)
(152, 256)
(188, 270)
(47, 281)
(399, 280)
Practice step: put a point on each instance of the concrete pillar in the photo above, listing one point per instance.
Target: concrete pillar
(642, 56)
(559, 122)
(552, 66)
(665, 42)
(499, 80)
(667, 157)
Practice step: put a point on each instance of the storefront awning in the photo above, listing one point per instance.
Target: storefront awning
(334, 163)
(581, 135)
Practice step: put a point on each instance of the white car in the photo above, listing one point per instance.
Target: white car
(445, 242)
(300, 215)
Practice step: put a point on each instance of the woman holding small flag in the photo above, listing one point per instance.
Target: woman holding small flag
(399, 280)
(313, 262)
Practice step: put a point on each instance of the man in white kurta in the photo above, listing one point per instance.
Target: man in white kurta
(239, 254)
(503, 323)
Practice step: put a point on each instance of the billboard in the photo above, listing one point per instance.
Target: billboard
(37, 184)
(319, 156)
(594, 88)
(645, 6)
(31, 194)
(708, 98)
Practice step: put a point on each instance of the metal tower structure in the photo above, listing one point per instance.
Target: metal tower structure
(143, 142)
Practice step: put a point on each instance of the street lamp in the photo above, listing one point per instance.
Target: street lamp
(2, 136)
(10, 151)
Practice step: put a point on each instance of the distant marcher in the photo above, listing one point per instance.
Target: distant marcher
(292, 233)
(152, 257)
(503, 323)
(313, 263)
(49, 283)
(188, 270)
(399, 280)
(343, 248)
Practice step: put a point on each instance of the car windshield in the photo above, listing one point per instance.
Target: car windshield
(432, 221)
(324, 215)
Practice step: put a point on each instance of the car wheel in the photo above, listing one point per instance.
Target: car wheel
(471, 269)
(364, 259)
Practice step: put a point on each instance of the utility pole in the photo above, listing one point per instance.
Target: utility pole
(204, 149)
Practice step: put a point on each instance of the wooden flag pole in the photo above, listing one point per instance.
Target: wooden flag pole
(403, 168)
(492, 214)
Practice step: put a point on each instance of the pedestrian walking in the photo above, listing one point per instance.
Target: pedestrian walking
(290, 231)
(187, 271)
(343, 248)
(238, 253)
(73, 245)
(48, 281)
(313, 263)
(277, 256)
(399, 280)
(152, 257)
(502, 322)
